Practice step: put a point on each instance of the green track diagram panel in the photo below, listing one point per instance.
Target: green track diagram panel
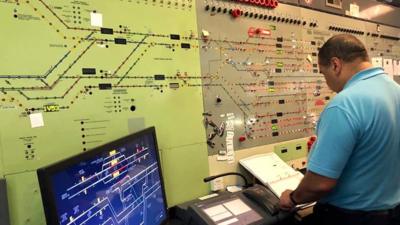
(77, 74)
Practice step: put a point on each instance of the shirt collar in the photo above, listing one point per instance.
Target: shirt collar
(363, 75)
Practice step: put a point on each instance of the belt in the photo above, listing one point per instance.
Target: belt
(331, 208)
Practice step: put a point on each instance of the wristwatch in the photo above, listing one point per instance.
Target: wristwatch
(292, 199)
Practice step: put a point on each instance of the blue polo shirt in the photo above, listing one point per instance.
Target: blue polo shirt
(359, 143)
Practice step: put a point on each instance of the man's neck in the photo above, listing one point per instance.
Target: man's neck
(353, 68)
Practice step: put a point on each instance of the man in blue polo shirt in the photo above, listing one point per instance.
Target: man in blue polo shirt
(354, 167)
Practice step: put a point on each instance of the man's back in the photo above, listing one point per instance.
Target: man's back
(366, 161)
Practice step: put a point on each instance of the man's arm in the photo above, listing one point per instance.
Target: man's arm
(310, 189)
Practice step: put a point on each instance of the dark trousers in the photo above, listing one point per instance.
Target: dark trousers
(325, 214)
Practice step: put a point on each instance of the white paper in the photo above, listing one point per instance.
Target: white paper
(272, 171)
(287, 183)
(96, 19)
(222, 158)
(230, 125)
(354, 10)
(215, 210)
(388, 67)
(233, 220)
(396, 67)
(377, 61)
(36, 120)
(237, 207)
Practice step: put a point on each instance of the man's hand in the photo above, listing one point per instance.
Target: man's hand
(285, 202)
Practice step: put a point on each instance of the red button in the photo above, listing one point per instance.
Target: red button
(242, 138)
(236, 13)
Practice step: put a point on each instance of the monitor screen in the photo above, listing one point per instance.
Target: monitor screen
(119, 183)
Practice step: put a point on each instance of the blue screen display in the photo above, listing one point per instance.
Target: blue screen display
(120, 186)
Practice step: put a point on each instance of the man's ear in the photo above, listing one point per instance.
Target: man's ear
(336, 65)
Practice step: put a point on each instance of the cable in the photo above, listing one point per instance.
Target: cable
(210, 178)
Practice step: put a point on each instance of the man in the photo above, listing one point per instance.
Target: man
(354, 166)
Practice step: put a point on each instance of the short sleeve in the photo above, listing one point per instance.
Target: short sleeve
(336, 138)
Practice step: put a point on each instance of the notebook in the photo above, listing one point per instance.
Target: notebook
(273, 172)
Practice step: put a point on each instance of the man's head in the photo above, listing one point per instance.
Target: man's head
(340, 58)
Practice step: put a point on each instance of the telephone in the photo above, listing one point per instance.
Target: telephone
(263, 198)
(254, 205)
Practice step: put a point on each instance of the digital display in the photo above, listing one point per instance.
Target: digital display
(120, 185)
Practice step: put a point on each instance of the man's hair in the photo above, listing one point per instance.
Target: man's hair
(343, 46)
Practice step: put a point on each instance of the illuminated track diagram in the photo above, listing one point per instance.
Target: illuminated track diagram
(132, 192)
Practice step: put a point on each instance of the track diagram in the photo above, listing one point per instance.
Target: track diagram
(121, 188)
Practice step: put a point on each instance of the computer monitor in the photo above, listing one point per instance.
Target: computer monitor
(119, 183)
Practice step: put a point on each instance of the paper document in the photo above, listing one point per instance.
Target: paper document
(388, 67)
(36, 120)
(396, 67)
(273, 172)
(377, 61)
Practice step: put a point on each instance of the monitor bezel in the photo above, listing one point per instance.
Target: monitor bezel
(44, 174)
